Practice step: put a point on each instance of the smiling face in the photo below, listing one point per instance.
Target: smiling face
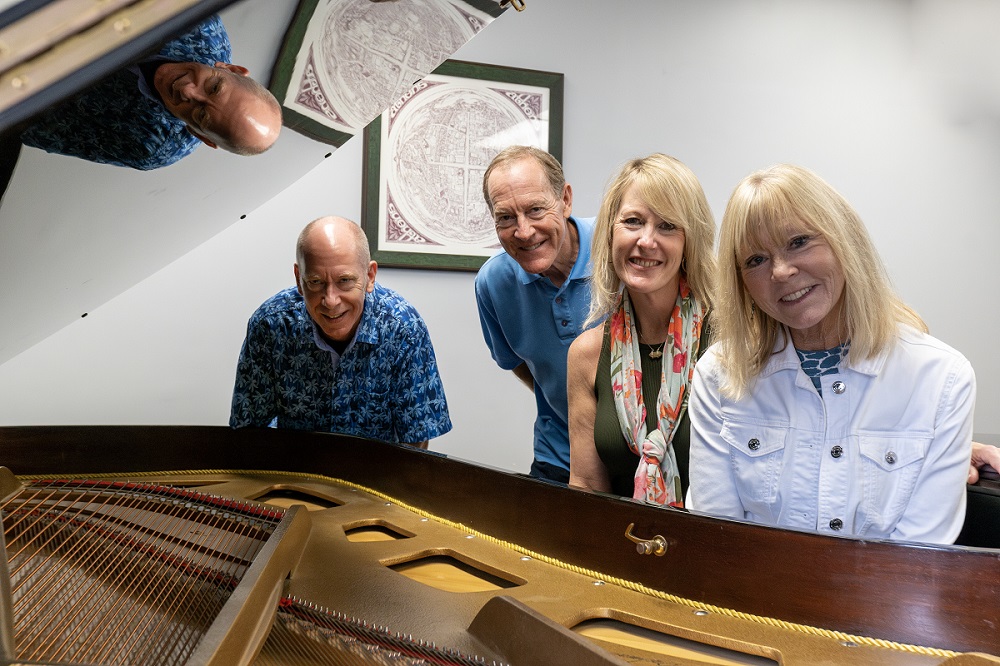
(218, 105)
(532, 220)
(333, 279)
(646, 251)
(797, 280)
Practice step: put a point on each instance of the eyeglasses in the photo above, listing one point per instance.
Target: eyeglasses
(505, 221)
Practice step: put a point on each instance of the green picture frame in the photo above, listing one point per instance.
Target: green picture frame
(295, 49)
(406, 175)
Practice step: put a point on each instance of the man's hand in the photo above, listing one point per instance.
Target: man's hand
(983, 454)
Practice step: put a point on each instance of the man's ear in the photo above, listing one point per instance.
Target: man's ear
(204, 139)
(298, 285)
(372, 270)
(235, 69)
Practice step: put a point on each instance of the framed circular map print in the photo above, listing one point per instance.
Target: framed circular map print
(426, 154)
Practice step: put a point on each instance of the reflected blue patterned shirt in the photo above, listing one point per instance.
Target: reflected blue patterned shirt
(113, 122)
(385, 387)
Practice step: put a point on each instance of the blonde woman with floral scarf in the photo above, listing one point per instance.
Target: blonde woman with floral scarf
(629, 379)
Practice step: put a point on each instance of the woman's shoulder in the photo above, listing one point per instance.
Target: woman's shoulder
(919, 340)
(588, 344)
(930, 354)
(712, 353)
(583, 360)
(709, 363)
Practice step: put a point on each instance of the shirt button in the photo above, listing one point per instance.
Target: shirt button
(753, 444)
(565, 323)
(837, 451)
(559, 299)
(839, 387)
(891, 457)
(836, 524)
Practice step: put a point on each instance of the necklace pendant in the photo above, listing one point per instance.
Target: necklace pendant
(655, 353)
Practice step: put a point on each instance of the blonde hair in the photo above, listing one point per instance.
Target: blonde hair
(758, 211)
(673, 193)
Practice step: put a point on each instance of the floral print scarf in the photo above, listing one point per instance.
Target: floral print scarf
(656, 479)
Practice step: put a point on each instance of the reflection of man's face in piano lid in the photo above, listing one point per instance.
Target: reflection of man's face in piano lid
(221, 105)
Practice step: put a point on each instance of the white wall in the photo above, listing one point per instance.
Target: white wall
(849, 89)
(74, 234)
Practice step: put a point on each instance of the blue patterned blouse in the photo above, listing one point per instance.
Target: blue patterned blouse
(386, 385)
(822, 362)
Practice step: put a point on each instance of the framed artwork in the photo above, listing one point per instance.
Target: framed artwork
(425, 157)
(343, 61)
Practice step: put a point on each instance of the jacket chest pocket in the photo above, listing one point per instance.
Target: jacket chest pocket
(757, 455)
(890, 466)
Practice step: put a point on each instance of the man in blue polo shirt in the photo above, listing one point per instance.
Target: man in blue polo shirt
(533, 297)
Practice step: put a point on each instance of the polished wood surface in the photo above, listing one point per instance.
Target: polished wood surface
(655, 643)
(945, 598)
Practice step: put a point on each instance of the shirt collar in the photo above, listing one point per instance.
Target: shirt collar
(142, 83)
(368, 326)
(785, 358)
(367, 330)
(324, 345)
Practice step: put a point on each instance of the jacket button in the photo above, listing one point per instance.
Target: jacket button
(837, 451)
(839, 387)
(836, 524)
(753, 444)
(891, 457)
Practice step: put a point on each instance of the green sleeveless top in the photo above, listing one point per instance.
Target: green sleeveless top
(608, 438)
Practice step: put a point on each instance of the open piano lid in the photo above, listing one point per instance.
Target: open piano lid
(50, 49)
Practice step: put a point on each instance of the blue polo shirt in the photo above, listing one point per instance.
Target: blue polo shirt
(527, 319)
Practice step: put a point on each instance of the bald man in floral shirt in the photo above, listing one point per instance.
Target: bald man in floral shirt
(338, 352)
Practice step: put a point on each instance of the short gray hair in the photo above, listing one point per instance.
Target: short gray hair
(550, 165)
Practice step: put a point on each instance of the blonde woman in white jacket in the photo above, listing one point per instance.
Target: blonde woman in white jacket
(824, 405)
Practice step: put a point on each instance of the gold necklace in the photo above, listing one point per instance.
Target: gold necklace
(653, 352)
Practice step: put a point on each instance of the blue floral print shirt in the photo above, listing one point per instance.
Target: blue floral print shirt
(115, 122)
(386, 385)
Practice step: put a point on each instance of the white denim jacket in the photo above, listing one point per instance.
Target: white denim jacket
(882, 453)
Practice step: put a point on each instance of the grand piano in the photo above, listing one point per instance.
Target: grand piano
(320, 546)
(202, 545)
